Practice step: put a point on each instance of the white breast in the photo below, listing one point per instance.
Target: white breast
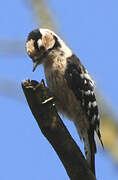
(66, 102)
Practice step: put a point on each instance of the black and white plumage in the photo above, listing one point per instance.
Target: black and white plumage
(70, 84)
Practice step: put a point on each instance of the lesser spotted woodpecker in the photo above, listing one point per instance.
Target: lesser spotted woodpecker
(70, 84)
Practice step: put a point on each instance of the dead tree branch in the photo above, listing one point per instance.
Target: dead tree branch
(42, 106)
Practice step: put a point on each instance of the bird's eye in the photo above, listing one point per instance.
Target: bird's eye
(37, 46)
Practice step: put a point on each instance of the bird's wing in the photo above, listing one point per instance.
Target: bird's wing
(82, 85)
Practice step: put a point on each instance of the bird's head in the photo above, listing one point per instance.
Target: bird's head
(39, 44)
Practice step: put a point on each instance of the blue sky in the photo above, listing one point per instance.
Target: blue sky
(90, 28)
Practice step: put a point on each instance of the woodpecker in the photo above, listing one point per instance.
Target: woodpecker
(71, 85)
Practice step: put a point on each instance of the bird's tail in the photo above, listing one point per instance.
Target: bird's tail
(89, 145)
(90, 149)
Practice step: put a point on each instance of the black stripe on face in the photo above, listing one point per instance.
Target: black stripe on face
(35, 35)
(56, 45)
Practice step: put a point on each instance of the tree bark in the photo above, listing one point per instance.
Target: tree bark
(42, 106)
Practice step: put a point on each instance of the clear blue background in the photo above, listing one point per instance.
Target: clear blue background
(91, 29)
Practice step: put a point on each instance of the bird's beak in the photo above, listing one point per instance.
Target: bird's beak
(39, 60)
(35, 65)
